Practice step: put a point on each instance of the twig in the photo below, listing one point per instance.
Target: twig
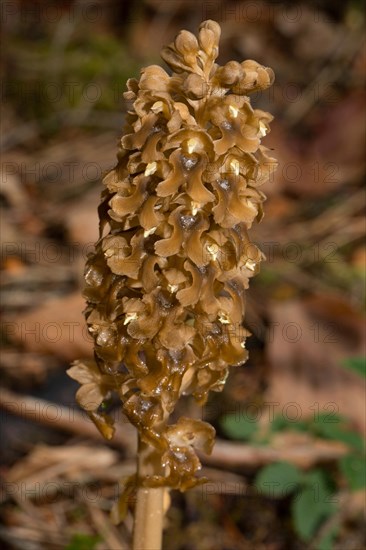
(304, 455)
(66, 419)
(327, 222)
(347, 47)
(105, 528)
(31, 538)
(225, 454)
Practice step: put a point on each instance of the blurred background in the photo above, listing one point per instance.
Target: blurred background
(288, 467)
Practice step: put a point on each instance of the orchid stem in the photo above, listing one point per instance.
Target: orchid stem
(149, 511)
(148, 526)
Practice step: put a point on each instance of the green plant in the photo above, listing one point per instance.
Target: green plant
(357, 364)
(314, 493)
(80, 541)
(312, 499)
(245, 429)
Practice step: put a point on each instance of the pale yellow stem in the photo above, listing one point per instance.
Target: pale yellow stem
(149, 513)
(149, 510)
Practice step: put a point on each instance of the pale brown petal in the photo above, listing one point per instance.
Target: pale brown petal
(121, 205)
(89, 396)
(83, 372)
(171, 245)
(188, 431)
(154, 78)
(190, 295)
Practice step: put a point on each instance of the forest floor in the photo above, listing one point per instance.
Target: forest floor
(295, 412)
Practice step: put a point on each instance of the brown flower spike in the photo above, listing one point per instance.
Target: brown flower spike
(166, 283)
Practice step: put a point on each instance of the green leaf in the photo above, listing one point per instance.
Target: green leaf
(280, 424)
(309, 509)
(322, 483)
(278, 480)
(339, 432)
(80, 541)
(354, 470)
(326, 542)
(328, 418)
(239, 427)
(357, 364)
(317, 478)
